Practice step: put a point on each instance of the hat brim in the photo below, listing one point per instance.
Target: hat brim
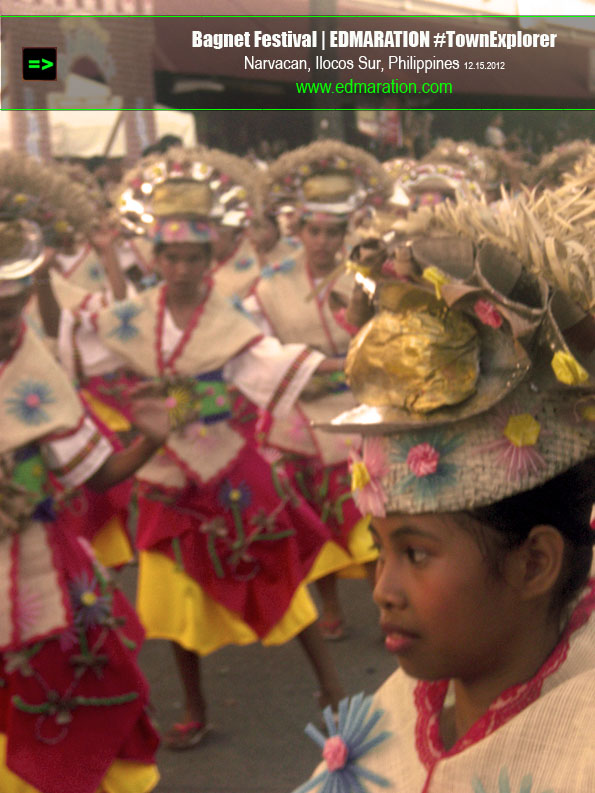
(504, 365)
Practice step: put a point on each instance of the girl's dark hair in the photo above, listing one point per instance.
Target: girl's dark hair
(564, 502)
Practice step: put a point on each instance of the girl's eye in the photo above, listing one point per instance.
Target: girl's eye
(416, 555)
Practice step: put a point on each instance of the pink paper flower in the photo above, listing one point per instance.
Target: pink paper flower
(335, 753)
(487, 313)
(367, 471)
(423, 459)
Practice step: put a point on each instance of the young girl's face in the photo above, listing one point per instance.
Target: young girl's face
(444, 614)
(183, 266)
(322, 240)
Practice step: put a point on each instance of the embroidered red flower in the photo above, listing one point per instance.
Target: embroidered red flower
(487, 313)
(335, 753)
(423, 459)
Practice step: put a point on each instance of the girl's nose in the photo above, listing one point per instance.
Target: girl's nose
(388, 593)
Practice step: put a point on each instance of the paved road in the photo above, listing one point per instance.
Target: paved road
(260, 700)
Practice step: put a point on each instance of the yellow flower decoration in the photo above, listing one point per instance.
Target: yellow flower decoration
(20, 198)
(360, 476)
(88, 598)
(235, 494)
(61, 226)
(568, 370)
(179, 401)
(436, 277)
(305, 170)
(522, 430)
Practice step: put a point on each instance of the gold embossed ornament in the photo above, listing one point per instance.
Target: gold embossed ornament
(416, 354)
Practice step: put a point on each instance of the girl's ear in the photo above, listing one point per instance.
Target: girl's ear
(538, 562)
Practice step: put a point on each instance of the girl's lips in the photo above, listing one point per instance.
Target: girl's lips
(397, 642)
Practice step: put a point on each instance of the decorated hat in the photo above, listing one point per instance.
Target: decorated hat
(327, 177)
(178, 195)
(476, 375)
(39, 205)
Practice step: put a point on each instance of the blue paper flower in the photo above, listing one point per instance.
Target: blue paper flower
(125, 313)
(235, 495)
(504, 784)
(286, 266)
(90, 608)
(347, 742)
(28, 401)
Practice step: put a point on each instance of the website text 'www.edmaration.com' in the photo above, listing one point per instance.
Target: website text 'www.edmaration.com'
(387, 87)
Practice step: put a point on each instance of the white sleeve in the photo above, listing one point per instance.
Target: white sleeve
(272, 374)
(76, 456)
(80, 345)
(252, 306)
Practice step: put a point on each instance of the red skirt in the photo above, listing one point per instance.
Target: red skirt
(247, 537)
(74, 702)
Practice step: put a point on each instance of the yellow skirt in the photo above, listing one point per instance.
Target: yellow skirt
(361, 550)
(172, 605)
(123, 776)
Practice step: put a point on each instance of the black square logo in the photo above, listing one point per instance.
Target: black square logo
(39, 63)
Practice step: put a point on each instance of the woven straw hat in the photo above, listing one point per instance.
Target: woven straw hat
(492, 382)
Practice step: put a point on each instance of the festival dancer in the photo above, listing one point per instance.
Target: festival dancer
(226, 546)
(478, 470)
(73, 707)
(303, 297)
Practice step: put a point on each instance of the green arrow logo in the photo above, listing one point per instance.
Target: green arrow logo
(46, 64)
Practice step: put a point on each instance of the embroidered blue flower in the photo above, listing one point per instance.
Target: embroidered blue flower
(347, 742)
(504, 784)
(243, 264)
(90, 609)
(28, 402)
(235, 496)
(237, 302)
(286, 266)
(95, 271)
(125, 313)
(424, 455)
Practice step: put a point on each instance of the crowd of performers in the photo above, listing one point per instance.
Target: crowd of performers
(226, 372)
